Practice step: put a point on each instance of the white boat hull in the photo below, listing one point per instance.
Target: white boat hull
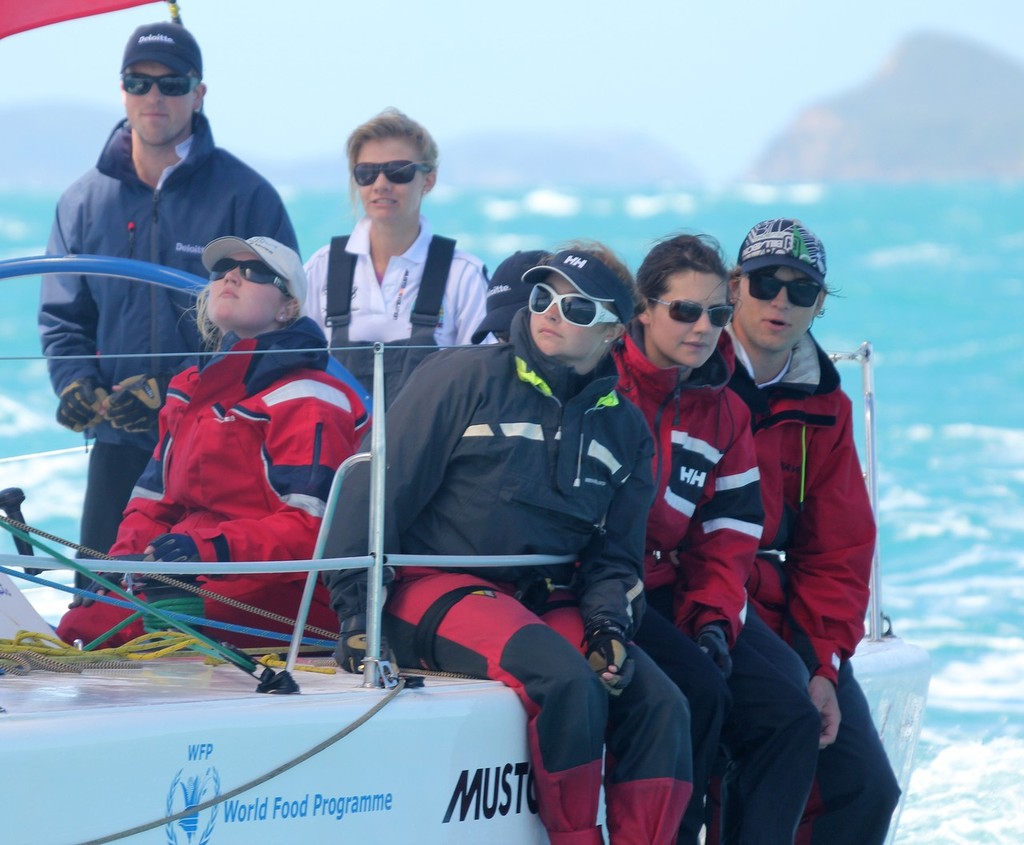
(444, 764)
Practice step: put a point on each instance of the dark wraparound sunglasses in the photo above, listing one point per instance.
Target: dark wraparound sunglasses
(170, 86)
(687, 311)
(575, 308)
(252, 271)
(400, 172)
(766, 286)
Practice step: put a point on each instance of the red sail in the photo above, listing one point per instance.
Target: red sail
(18, 16)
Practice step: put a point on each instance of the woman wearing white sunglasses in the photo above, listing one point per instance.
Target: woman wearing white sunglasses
(525, 447)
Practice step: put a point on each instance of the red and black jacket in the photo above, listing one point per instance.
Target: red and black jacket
(817, 510)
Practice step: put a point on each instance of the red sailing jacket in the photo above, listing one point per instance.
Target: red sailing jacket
(817, 511)
(247, 452)
(705, 525)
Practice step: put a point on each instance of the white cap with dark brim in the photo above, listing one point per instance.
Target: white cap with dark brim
(281, 259)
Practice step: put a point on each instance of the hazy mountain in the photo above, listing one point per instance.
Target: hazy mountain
(941, 108)
(497, 160)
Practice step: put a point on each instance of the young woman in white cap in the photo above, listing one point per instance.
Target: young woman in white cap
(248, 445)
(811, 579)
(525, 447)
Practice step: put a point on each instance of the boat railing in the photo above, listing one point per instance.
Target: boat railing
(864, 356)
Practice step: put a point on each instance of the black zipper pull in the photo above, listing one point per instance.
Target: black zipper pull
(131, 238)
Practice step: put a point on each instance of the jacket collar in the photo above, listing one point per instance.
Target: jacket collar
(115, 160)
(299, 346)
(556, 379)
(713, 374)
(811, 372)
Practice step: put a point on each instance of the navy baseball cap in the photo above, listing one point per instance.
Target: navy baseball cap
(590, 276)
(507, 293)
(168, 43)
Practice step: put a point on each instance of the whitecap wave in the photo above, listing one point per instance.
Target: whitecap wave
(968, 793)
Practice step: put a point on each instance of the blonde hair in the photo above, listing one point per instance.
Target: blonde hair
(211, 336)
(390, 123)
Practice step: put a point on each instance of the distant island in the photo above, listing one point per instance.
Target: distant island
(940, 109)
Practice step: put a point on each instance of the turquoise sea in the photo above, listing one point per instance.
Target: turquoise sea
(932, 276)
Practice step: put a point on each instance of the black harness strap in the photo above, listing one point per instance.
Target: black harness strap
(426, 630)
(341, 270)
(435, 279)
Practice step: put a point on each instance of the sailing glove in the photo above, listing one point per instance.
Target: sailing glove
(605, 644)
(135, 403)
(86, 596)
(80, 404)
(351, 649)
(712, 641)
(350, 652)
(174, 547)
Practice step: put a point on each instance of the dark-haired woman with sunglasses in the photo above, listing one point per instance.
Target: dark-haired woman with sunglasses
(248, 445)
(702, 534)
(365, 288)
(525, 447)
(811, 580)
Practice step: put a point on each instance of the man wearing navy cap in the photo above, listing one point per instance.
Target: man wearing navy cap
(160, 191)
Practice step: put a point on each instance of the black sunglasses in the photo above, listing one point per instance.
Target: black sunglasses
(687, 311)
(766, 286)
(400, 172)
(575, 308)
(170, 86)
(252, 271)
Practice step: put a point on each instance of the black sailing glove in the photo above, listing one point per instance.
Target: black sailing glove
(713, 642)
(605, 643)
(135, 402)
(80, 404)
(351, 649)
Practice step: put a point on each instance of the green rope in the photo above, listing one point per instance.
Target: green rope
(231, 655)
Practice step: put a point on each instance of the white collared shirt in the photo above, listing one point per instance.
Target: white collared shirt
(381, 311)
(181, 151)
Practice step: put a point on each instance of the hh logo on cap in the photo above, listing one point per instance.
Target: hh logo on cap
(575, 261)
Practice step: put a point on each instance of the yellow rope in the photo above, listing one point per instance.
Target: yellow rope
(148, 647)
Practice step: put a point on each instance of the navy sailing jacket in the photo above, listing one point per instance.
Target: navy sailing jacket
(484, 458)
(110, 211)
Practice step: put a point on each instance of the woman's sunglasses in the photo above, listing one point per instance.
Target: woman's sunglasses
(766, 286)
(170, 86)
(252, 271)
(687, 311)
(575, 308)
(400, 172)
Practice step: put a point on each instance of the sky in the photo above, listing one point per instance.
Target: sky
(713, 81)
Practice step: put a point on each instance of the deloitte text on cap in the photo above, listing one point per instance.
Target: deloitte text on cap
(783, 242)
(279, 258)
(169, 44)
(591, 277)
(507, 292)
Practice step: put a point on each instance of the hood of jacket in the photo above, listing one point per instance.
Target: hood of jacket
(299, 346)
